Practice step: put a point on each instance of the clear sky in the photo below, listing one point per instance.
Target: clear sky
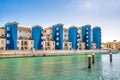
(103, 13)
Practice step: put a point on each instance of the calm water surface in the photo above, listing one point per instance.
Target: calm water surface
(60, 68)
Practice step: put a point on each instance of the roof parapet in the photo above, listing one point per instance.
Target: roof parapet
(72, 27)
(96, 27)
(37, 26)
(59, 24)
(14, 22)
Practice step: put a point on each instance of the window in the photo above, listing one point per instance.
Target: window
(19, 30)
(8, 41)
(41, 43)
(2, 42)
(65, 35)
(57, 33)
(2, 34)
(86, 32)
(86, 40)
(57, 28)
(87, 44)
(8, 28)
(41, 32)
(86, 36)
(86, 28)
(26, 31)
(57, 43)
(57, 38)
(31, 48)
(17, 42)
(8, 35)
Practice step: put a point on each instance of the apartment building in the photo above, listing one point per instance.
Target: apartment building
(97, 37)
(73, 37)
(57, 36)
(48, 42)
(67, 45)
(11, 35)
(111, 45)
(86, 36)
(81, 44)
(2, 39)
(37, 33)
(23, 32)
(27, 44)
(24, 40)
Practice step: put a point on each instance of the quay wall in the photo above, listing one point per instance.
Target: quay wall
(28, 53)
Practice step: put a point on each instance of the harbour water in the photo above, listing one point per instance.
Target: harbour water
(60, 68)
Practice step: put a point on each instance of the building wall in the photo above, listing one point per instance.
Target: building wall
(49, 45)
(86, 36)
(112, 45)
(24, 32)
(30, 44)
(57, 36)
(73, 36)
(37, 33)
(94, 45)
(47, 34)
(2, 43)
(25, 44)
(81, 46)
(80, 33)
(118, 45)
(97, 37)
(65, 34)
(67, 45)
(1, 31)
(11, 35)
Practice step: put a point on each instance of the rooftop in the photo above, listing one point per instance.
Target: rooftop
(24, 28)
(72, 27)
(37, 26)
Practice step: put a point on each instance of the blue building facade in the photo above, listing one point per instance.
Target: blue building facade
(11, 35)
(97, 37)
(37, 33)
(57, 36)
(73, 32)
(86, 36)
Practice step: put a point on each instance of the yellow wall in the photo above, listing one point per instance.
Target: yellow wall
(1, 31)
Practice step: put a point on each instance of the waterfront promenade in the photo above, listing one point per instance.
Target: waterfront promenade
(30, 53)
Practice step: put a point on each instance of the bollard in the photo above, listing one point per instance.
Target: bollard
(89, 61)
(110, 56)
(93, 58)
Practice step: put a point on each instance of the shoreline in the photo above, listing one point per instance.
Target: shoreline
(32, 53)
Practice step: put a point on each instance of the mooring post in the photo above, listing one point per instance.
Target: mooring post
(93, 58)
(110, 56)
(89, 61)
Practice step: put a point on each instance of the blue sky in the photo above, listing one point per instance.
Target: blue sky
(103, 13)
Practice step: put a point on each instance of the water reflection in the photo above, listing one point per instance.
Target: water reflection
(60, 68)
